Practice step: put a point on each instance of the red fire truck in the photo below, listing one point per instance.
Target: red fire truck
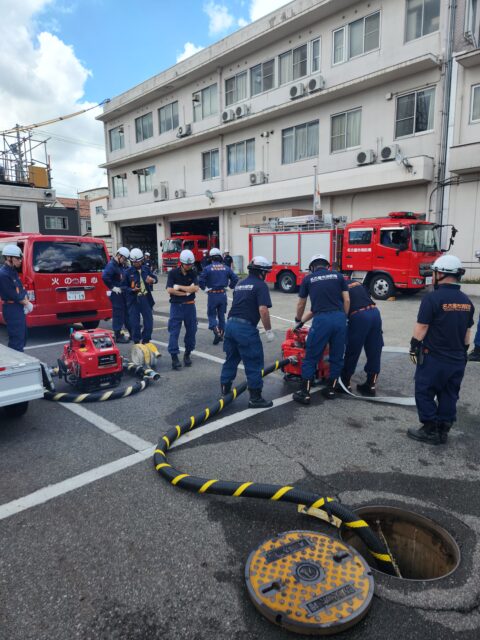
(171, 248)
(391, 253)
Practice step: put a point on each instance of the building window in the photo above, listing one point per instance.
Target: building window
(119, 186)
(414, 113)
(88, 226)
(356, 38)
(168, 117)
(293, 64)
(423, 17)
(345, 130)
(56, 222)
(205, 103)
(117, 138)
(144, 127)
(210, 164)
(472, 22)
(315, 55)
(145, 180)
(475, 110)
(236, 88)
(300, 142)
(241, 157)
(262, 77)
(99, 210)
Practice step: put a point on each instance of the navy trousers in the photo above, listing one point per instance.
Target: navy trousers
(242, 343)
(16, 322)
(326, 328)
(120, 315)
(477, 334)
(186, 314)
(216, 309)
(364, 332)
(141, 307)
(437, 387)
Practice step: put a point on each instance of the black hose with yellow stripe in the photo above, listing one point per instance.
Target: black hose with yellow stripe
(274, 492)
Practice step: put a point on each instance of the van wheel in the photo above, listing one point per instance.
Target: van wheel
(91, 324)
(287, 282)
(381, 287)
(16, 410)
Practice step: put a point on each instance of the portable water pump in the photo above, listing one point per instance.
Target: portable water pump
(295, 345)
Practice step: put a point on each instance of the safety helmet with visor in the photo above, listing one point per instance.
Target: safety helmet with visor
(124, 252)
(187, 257)
(136, 255)
(12, 251)
(448, 266)
(259, 263)
(318, 258)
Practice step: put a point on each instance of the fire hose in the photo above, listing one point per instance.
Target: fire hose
(278, 493)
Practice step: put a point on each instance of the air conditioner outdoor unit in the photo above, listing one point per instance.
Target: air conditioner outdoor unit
(258, 177)
(242, 110)
(390, 152)
(186, 130)
(297, 90)
(160, 193)
(316, 84)
(180, 193)
(227, 115)
(367, 156)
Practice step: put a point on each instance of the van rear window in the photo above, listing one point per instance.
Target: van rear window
(68, 257)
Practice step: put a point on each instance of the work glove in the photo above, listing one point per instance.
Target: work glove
(116, 290)
(176, 287)
(415, 350)
(28, 308)
(298, 325)
(270, 335)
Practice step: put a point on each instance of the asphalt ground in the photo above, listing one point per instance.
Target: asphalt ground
(94, 545)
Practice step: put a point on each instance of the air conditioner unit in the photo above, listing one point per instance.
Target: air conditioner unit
(227, 115)
(316, 84)
(367, 156)
(297, 90)
(186, 130)
(242, 110)
(160, 193)
(258, 177)
(180, 193)
(389, 153)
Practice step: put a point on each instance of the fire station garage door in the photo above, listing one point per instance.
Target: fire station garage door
(143, 236)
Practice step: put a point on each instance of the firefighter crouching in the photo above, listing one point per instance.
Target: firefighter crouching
(16, 304)
(214, 279)
(364, 332)
(139, 280)
(330, 302)
(251, 302)
(439, 348)
(114, 278)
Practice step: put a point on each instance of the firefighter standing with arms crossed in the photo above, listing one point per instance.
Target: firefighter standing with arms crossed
(438, 348)
(16, 304)
(114, 278)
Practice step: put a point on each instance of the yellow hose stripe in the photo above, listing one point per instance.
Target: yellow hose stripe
(242, 488)
(161, 465)
(192, 422)
(319, 503)
(57, 396)
(207, 414)
(179, 477)
(221, 404)
(179, 431)
(160, 451)
(281, 492)
(106, 396)
(234, 392)
(127, 392)
(356, 524)
(167, 441)
(263, 372)
(276, 364)
(381, 556)
(205, 486)
(81, 397)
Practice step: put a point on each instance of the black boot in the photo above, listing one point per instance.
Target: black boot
(303, 394)
(346, 383)
(120, 338)
(176, 364)
(187, 361)
(217, 337)
(474, 356)
(257, 401)
(226, 388)
(443, 429)
(368, 388)
(329, 391)
(428, 433)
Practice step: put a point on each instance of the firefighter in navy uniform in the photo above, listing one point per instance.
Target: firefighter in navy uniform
(182, 284)
(364, 332)
(228, 260)
(330, 302)
(139, 281)
(214, 279)
(474, 355)
(251, 302)
(114, 278)
(16, 304)
(439, 348)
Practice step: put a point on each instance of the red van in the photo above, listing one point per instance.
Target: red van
(63, 278)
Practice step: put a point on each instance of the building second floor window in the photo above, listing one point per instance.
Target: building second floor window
(262, 77)
(423, 17)
(241, 157)
(117, 138)
(56, 222)
(210, 164)
(168, 117)
(316, 46)
(300, 142)
(345, 130)
(144, 127)
(475, 110)
(293, 64)
(145, 179)
(236, 88)
(119, 186)
(205, 103)
(472, 22)
(415, 113)
(358, 37)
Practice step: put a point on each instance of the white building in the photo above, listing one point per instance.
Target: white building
(355, 91)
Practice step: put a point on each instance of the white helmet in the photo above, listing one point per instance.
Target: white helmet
(11, 251)
(317, 257)
(147, 253)
(187, 257)
(215, 252)
(123, 251)
(448, 264)
(136, 255)
(259, 263)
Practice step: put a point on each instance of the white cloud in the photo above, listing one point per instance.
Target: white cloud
(221, 19)
(189, 49)
(242, 22)
(41, 78)
(259, 8)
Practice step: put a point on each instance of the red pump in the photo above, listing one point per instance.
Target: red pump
(294, 345)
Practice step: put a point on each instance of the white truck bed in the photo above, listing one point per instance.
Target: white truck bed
(20, 377)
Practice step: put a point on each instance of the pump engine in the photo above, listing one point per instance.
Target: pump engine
(295, 345)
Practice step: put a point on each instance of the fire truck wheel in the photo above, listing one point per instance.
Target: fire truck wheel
(381, 287)
(91, 324)
(287, 282)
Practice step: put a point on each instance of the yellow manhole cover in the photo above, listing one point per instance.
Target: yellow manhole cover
(309, 583)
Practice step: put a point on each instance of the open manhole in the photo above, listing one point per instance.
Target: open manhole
(422, 549)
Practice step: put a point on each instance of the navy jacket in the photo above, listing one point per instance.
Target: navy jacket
(114, 275)
(11, 287)
(217, 276)
(132, 278)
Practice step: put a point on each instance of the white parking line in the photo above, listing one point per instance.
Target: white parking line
(201, 354)
(46, 344)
